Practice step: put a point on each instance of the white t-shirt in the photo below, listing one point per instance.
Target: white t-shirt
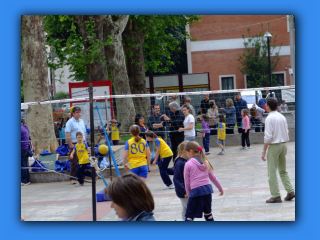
(187, 121)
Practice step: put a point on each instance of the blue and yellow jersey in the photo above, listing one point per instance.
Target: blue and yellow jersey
(114, 133)
(82, 152)
(222, 131)
(165, 150)
(137, 152)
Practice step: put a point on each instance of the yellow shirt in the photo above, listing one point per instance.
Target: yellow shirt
(222, 131)
(114, 133)
(165, 150)
(82, 153)
(137, 152)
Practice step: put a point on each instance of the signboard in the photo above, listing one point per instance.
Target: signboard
(289, 95)
(80, 89)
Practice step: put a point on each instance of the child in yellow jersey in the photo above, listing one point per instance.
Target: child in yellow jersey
(137, 152)
(81, 149)
(163, 157)
(221, 134)
(114, 129)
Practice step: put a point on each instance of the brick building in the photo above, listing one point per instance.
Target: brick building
(217, 51)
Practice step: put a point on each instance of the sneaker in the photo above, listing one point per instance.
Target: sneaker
(290, 196)
(221, 153)
(169, 187)
(249, 147)
(207, 153)
(87, 180)
(28, 183)
(243, 148)
(274, 200)
(23, 184)
(73, 182)
(81, 184)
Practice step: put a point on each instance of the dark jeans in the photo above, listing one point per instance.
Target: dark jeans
(245, 139)
(206, 141)
(259, 128)
(239, 122)
(82, 172)
(214, 131)
(164, 171)
(73, 165)
(25, 175)
(176, 138)
(115, 142)
(230, 129)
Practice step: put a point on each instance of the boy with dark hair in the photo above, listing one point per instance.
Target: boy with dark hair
(81, 149)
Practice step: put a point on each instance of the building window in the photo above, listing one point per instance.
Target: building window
(279, 79)
(227, 83)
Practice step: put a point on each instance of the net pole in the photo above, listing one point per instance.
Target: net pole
(93, 172)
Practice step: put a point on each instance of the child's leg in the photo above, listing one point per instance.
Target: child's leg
(208, 142)
(207, 200)
(247, 138)
(243, 137)
(80, 170)
(184, 202)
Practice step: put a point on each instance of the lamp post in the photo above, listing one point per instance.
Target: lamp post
(268, 36)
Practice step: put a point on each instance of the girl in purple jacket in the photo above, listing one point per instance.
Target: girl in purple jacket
(197, 173)
(205, 133)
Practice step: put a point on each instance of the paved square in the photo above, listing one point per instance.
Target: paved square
(242, 173)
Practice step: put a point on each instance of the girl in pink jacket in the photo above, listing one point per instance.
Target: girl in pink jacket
(245, 129)
(197, 173)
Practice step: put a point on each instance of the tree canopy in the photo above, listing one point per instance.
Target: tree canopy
(254, 60)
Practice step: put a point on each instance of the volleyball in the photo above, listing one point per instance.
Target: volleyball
(103, 149)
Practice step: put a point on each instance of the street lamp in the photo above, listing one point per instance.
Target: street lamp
(268, 36)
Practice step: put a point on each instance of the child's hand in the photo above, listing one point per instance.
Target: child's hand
(180, 129)
(126, 167)
(71, 156)
(186, 196)
(221, 193)
(154, 162)
(203, 135)
(245, 131)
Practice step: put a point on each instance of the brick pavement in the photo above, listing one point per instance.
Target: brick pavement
(243, 176)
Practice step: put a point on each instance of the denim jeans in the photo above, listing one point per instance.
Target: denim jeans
(206, 142)
(189, 138)
(25, 175)
(163, 168)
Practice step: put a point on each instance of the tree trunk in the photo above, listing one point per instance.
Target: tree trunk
(97, 71)
(35, 84)
(133, 39)
(115, 55)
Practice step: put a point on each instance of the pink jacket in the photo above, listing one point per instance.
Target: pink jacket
(196, 175)
(245, 122)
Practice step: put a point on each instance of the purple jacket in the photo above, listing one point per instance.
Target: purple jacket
(205, 127)
(24, 137)
(196, 175)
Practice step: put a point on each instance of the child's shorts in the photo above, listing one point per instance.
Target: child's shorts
(220, 142)
(198, 205)
(141, 171)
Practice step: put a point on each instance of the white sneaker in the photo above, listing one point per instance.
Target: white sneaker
(249, 147)
(168, 187)
(243, 148)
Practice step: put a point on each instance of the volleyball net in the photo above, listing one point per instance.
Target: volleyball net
(146, 109)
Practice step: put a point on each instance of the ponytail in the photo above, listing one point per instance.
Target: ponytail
(137, 138)
(205, 161)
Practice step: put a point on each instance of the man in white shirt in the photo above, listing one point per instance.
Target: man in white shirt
(74, 125)
(275, 137)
